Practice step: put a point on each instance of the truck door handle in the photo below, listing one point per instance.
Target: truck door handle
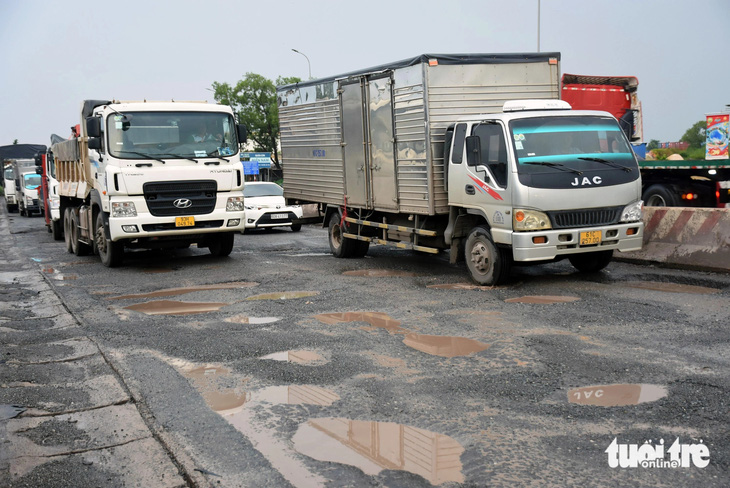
(469, 189)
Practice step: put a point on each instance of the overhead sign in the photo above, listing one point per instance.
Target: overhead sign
(250, 167)
(262, 158)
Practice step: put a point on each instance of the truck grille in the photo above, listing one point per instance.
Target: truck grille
(565, 219)
(160, 197)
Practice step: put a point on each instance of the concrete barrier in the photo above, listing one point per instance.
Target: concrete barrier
(697, 238)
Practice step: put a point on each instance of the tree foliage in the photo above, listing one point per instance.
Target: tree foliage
(695, 135)
(253, 99)
(653, 144)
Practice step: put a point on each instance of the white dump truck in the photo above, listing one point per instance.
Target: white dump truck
(150, 175)
(470, 153)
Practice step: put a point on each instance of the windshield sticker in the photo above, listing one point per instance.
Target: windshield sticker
(519, 137)
(225, 151)
(200, 154)
(518, 145)
(118, 122)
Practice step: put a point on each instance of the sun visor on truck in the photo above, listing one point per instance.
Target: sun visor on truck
(90, 105)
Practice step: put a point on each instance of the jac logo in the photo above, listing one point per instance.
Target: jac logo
(596, 180)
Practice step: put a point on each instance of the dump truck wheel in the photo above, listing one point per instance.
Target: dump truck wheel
(591, 262)
(79, 248)
(487, 264)
(111, 253)
(222, 245)
(57, 230)
(67, 230)
(340, 246)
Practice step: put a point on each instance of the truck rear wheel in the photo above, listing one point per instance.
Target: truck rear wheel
(591, 262)
(111, 253)
(659, 196)
(340, 246)
(67, 230)
(222, 245)
(488, 264)
(79, 248)
(56, 229)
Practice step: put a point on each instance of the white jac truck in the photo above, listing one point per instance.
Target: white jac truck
(470, 153)
(150, 175)
(27, 182)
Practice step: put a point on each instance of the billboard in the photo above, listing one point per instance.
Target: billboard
(716, 146)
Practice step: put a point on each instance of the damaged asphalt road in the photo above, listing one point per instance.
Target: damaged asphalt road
(283, 366)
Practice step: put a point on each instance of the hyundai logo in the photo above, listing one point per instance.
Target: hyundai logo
(182, 203)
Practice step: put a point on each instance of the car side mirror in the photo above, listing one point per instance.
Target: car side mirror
(473, 151)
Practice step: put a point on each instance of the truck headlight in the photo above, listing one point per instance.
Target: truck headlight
(55, 202)
(234, 204)
(633, 212)
(29, 200)
(523, 219)
(124, 209)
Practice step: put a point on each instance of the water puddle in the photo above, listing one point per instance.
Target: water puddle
(299, 357)
(245, 319)
(168, 292)
(212, 384)
(172, 307)
(378, 273)
(284, 295)
(375, 446)
(616, 395)
(671, 287)
(444, 346)
(375, 319)
(542, 299)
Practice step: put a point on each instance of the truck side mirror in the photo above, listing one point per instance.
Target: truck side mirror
(93, 127)
(473, 151)
(95, 143)
(38, 164)
(242, 133)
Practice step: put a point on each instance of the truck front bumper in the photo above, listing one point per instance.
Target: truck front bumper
(527, 246)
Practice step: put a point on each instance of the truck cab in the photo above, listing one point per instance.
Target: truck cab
(547, 181)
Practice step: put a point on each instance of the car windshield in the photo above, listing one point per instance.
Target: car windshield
(171, 135)
(32, 181)
(263, 190)
(550, 144)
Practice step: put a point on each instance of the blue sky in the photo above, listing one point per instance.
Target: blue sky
(56, 54)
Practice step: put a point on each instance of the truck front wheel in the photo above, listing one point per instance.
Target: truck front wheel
(111, 253)
(340, 246)
(488, 264)
(591, 262)
(57, 229)
(223, 245)
(659, 196)
(67, 229)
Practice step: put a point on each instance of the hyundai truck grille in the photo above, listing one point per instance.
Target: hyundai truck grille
(564, 219)
(175, 198)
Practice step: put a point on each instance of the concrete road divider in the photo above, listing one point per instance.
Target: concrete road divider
(689, 237)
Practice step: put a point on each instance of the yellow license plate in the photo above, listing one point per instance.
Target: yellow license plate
(591, 237)
(184, 221)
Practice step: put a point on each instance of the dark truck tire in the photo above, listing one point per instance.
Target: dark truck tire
(79, 248)
(222, 245)
(340, 246)
(67, 230)
(591, 262)
(111, 253)
(488, 264)
(659, 196)
(56, 229)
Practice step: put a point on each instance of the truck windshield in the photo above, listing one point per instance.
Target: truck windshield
(577, 142)
(32, 182)
(9, 173)
(171, 135)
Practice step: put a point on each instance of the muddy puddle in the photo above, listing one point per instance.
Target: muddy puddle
(375, 319)
(169, 292)
(616, 395)
(543, 299)
(245, 319)
(284, 295)
(670, 287)
(218, 389)
(173, 307)
(379, 273)
(444, 346)
(302, 356)
(375, 446)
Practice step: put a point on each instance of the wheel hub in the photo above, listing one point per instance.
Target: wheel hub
(480, 258)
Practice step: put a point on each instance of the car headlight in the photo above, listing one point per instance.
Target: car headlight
(234, 204)
(124, 209)
(523, 220)
(633, 212)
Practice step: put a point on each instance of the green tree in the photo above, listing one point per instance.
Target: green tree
(253, 99)
(15, 141)
(653, 144)
(695, 135)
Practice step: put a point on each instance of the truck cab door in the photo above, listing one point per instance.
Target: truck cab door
(479, 171)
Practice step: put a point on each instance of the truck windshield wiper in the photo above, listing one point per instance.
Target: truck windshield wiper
(559, 166)
(608, 163)
(180, 156)
(146, 156)
(216, 154)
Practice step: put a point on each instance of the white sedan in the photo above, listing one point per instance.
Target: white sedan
(266, 207)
